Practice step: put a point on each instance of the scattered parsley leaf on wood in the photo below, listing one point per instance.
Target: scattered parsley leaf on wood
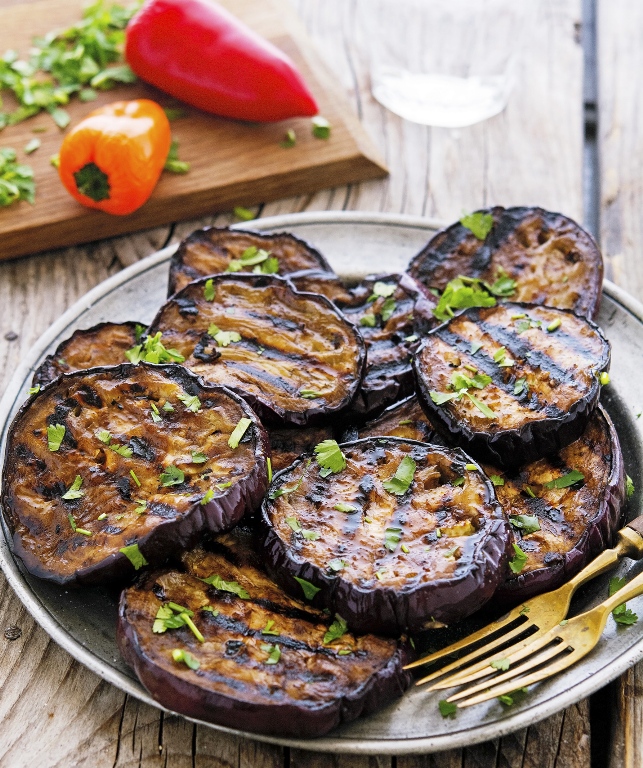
(16, 180)
(134, 555)
(227, 586)
(401, 481)
(321, 127)
(172, 162)
(518, 561)
(55, 436)
(31, 146)
(290, 139)
(479, 223)
(238, 432)
(570, 478)
(336, 630)
(330, 457)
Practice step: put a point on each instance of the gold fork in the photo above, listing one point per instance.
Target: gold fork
(541, 616)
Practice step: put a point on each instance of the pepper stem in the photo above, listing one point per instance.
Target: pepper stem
(92, 182)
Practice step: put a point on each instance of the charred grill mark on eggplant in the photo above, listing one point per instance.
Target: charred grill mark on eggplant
(286, 445)
(540, 401)
(553, 260)
(298, 359)
(312, 688)
(576, 522)
(104, 344)
(436, 551)
(113, 456)
(210, 250)
(404, 419)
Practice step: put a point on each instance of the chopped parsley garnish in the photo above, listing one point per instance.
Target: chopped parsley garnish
(500, 664)
(171, 476)
(521, 386)
(482, 407)
(252, 256)
(173, 616)
(529, 492)
(368, 321)
(153, 351)
(268, 629)
(55, 436)
(191, 402)
(135, 477)
(198, 457)
(142, 506)
(337, 565)
(321, 127)
(227, 586)
(72, 522)
(223, 338)
(168, 407)
(180, 655)
(238, 432)
(16, 181)
(209, 291)
(269, 469)
(285, 491)
(134, 555)
(156, 416)
(330, 457)
(503, 286)
(502, 359)
(479, 223)
(604, 378)
(458, 481)
(309, 394)
(172, 162)
(476, 346)
(518, 561)
(392, 537)
(554, 325)
(571, 478)
(104, 436)
(122, 450)
(621, 614)
(293, 524)
(273, 651)
(336, 630)
(309, 590)
(496, 480)
(526, 523)
(207, 497)
(629, 486)
(74, 491)
(388, 308)
(34, 390)
(401, 481)
(382, 289)
(243, 213)
(347, 508)
(289, 140)
(461, 381)
(471, 467)
(447, 708)
(462, 293)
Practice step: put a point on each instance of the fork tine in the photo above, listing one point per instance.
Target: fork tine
(495, 626)
(530, 646)
(522, 682)
(546, 655)
(475, 654)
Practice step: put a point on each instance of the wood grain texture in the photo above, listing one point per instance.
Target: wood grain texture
(231, 162)
(529, 154)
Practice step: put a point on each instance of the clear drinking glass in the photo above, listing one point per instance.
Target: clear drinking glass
(447, 63)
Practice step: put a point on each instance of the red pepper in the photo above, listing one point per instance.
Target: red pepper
(201, 54)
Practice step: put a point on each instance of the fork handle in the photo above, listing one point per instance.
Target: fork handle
(636, 525)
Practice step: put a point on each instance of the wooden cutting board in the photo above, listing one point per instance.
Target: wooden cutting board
(232, 163)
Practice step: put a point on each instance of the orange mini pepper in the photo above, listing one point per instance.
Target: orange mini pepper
(113, 158)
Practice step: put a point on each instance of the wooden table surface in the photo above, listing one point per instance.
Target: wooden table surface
(571, 140)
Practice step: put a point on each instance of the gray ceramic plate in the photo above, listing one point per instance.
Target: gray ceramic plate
(83, 622)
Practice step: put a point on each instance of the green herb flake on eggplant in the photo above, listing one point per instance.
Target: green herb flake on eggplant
(311, 676)
(473, 398)
(88, 513)
(418, 547)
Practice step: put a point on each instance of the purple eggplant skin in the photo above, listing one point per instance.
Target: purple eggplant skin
(103, 344)
(512, 448)
(597, 536)
(387, 610)
(553, 260)
(273, 397)
(208, 251)
(173, 533)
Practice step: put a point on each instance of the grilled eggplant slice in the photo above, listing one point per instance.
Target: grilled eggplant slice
(407, 533)
(107, 465)
(553, 260)
(211, 250)
(390, 311)
(268, 663)
(325, 283)
(574, 522)
(104, 344)
(293, 356)
(512, 383)
(404, 419)
(286, 445)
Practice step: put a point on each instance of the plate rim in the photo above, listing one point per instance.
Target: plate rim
(506, 723)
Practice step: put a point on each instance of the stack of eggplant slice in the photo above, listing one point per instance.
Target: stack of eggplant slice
(276, 571)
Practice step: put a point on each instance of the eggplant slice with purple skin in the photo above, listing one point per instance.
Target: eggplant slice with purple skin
(268, 663)
(406, 534)
(512, 383)
(404, 419)
(104, 344)
(564, 509)
(108, 468)
(391, 313)
(553, 260)
(325, 283)
(211, 250)
(286, 445)
(293, 356)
